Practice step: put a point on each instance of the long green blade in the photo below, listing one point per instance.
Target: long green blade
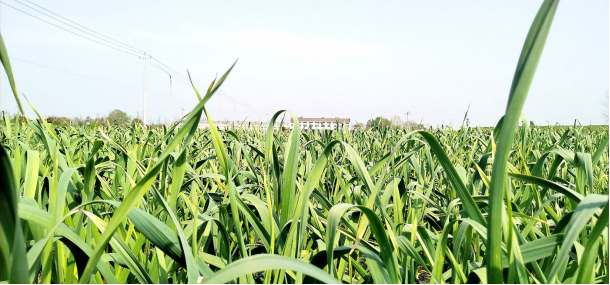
(526, 68)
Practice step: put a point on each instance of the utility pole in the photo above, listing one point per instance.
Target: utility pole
(407, 113)
(144, 96)
(183, 112)
(170, 93)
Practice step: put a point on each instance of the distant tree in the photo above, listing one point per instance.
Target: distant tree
(63, 121)
(379, 122)
(359, 126)
(136, 121)
(118, 117)
(58, 121)
(100, 121)
(18, 117)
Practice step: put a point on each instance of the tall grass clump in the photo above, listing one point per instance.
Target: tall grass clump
(517, 203)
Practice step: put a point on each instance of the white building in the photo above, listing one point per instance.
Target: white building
(322, 123)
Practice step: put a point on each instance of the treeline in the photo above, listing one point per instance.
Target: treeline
(394, 122)
(114, 118)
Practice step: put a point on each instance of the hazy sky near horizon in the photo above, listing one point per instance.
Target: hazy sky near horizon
(355, 59)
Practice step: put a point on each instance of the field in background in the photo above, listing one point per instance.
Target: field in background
(79, 181)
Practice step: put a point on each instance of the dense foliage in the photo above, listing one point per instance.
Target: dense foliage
(554, 171)
(118, 204)
(379, 122)
(118, 117)
(61, 121)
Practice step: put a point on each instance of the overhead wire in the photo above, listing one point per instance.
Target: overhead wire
(185, 77)
(127, 52)
(199, 85)
(166, 66)
(180, 77)
(154, 93)
(94, 78)
(177, 78)
(128, 47)
(124, 44)
(133, 48)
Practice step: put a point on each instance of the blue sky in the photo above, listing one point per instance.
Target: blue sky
(356, 59)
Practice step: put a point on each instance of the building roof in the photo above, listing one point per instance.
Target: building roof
(320, 120)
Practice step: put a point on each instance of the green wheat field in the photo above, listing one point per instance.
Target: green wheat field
(128, 204)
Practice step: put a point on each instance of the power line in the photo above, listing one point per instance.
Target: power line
(139, 50)
(73, 73)
(128, 47)
(127, 52)
(176, 72)
(177, 78)
(163, 64)
(80, 35)
(120, 47)
(185, 77)
(94, 78)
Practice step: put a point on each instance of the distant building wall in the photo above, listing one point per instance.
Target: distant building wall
(322, 123)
